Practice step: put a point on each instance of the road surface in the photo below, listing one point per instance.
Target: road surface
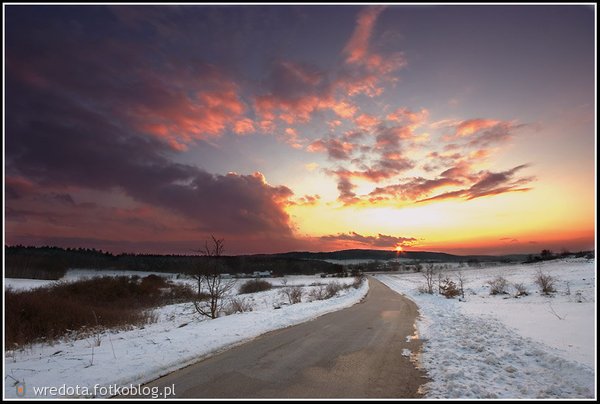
(356, 352)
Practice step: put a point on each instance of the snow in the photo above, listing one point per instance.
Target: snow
(500, 346)
(25, 284)
(179, 338)
(74, 275)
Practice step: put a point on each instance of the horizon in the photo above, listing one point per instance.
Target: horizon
(148, 129)
(399, 253)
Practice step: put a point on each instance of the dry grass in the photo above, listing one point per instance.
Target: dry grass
(545, 282)
(255, 285)
(498, 286)
(49, 313)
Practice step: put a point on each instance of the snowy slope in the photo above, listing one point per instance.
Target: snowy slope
(178, 339)
(504, 347)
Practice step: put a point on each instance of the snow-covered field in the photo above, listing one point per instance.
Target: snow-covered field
(179, 337)
(500, 346)
(74, 275)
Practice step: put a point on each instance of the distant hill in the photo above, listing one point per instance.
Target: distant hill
(362, 254)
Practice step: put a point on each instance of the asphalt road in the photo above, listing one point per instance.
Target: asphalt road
(355, 352)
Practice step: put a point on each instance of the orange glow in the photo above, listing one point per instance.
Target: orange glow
(399, 248)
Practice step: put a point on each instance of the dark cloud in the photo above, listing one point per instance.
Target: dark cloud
(78, 125)
(346, 188)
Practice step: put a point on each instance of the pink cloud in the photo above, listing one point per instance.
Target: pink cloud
(244, 126)
(291, 138)
(366, 121)
(357, 48)
(470, 126)
(355, 83)
(307, 200)
(407, 117)
(181, 119)
(336, 149)
(368, 70)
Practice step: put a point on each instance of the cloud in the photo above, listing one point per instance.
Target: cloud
(307, 200)
(244, 126)
(405, 116)
(295, 91)
(366, 121)
(390, 138)
(336, 149)
(16, 187)
(381, 240)
(57, 143)
(471, 126)
(346, 188)
(484, 133)
(311, 166)
(132, 84)
(412, 189)
(357, 48)
(291, 138)
(366, 70)
(488, 184)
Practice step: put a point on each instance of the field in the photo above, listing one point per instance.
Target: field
(502, 346)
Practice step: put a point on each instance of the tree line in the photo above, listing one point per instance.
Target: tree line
(53, 262)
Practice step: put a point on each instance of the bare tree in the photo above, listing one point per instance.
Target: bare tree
(428, 275)
(461, 284)
(212, 287)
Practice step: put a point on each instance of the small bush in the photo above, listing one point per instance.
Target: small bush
(332, 289)
(255, 285)
(323, 292)
(449, 288)
(545, 282)
(293, 294)
(358, 281)
(237, 305)
(317, 293)
(520, 290)
(498, 286)
(422, 289)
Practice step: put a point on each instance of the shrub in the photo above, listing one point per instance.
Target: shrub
(449, 288)
(332, 289)
(328, 291)
(237, 305)
(545, 282)
(521, 290)
(498, 286)
(293, 294)
(51, 312)
(358, 281)
(423, 289)
(255, 285)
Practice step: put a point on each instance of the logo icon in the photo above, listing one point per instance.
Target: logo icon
(20, 389)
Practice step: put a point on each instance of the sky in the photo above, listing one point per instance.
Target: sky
(461, 129)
